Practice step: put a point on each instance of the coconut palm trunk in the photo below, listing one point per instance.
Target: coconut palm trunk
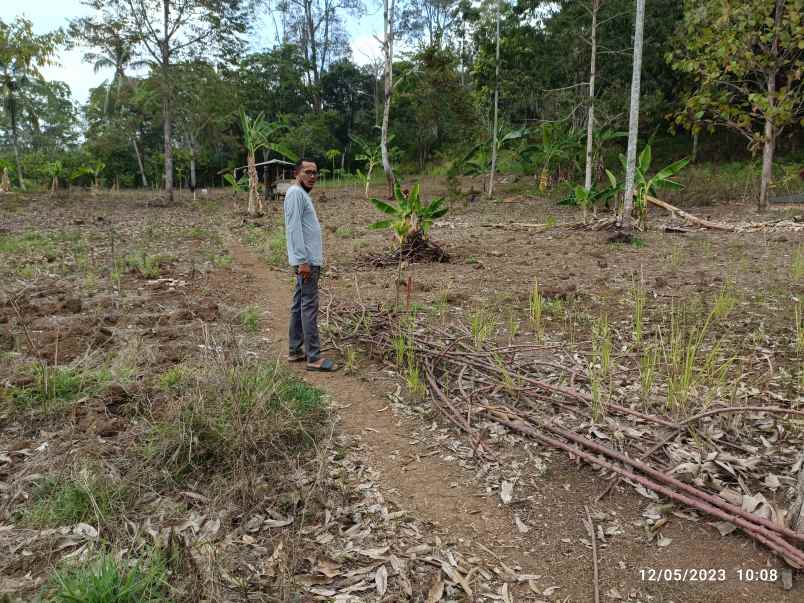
(590, 122)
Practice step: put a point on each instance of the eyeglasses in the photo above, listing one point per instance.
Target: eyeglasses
(310, 173)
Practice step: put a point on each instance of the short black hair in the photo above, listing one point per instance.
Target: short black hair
(301, 161)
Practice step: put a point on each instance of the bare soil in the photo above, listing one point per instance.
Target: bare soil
(68, 301)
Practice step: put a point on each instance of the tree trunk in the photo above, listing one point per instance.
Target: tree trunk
(166, 103)
(192, 170)
(139, 161)
(168, 148)
(252, 184)
(695, 136)
(54, 185)
(770, 129)
(590, 122)
(15, 142)
(625, 221)
(496, 107)
(767, 165)
(388, 48)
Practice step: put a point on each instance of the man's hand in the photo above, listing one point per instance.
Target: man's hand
(304, 271)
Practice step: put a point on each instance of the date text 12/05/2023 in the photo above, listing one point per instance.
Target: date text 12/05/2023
(650, 574)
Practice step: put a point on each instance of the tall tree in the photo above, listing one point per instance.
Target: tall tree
(388, 87)
(22, 54)
(747, 62)
(625, 222)
(317, 27)
(496, 106)
(168, 30)
(590, 120)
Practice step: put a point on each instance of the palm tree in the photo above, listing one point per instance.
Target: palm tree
(116, 52)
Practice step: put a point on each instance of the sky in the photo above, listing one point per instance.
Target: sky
(47, 15)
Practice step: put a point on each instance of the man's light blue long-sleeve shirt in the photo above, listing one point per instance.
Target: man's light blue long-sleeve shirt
(302, 230)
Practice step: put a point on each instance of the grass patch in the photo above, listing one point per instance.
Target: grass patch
(344, 232)
(234, 420)
(84, 497)
(250, 319)
(54, 388)
(109, 580)
(147, 266)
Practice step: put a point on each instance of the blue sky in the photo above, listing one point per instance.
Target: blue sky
(47, 15)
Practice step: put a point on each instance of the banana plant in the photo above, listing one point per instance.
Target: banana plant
(478, 159)
(556, 145)
(409, 216)
(644, 185)
(55, 169)
(237, 186)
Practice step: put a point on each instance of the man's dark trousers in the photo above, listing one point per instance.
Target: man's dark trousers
(304, 316)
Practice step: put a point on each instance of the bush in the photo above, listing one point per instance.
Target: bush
(235, 419)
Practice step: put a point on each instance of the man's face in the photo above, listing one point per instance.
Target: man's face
(307, 174)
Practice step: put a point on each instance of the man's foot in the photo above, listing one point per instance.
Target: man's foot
(324, 365)
(296, 357)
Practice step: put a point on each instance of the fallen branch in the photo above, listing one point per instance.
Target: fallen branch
(687, 216)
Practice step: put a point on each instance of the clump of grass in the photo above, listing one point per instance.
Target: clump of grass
(144, 264)
(222, 261)
(536, 311)
(344, 232)
(724, 302)
(676, 257)
(647, 371)
(108, 580)
(350, 359)
(512, 325)
(276, 248)
(639, 296)
(250, 319)
(688, 364)
(86, 496)
(600, 366)
(175, 378)
(53, 388)
(797, 265)
(482, 325)
(235, 418)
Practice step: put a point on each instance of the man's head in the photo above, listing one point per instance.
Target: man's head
(306, 173)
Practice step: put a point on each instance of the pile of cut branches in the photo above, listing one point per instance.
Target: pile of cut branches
(704, 461)
(415, 249)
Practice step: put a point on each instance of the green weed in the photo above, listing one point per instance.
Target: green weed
(482, 325)
(108, 580)
(797, 265)
(647, 371)
(639, 296)
(536, 311)
(84, 497)
(250, 319)
(222, 260)
(144, 264)
(344, 232)
(232, 418)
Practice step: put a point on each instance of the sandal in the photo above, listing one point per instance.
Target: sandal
(326, 366)
(298, 357)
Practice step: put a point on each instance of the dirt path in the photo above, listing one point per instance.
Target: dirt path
(553, 545)
(427, 487)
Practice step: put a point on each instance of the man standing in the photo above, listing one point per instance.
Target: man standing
(306, 256)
